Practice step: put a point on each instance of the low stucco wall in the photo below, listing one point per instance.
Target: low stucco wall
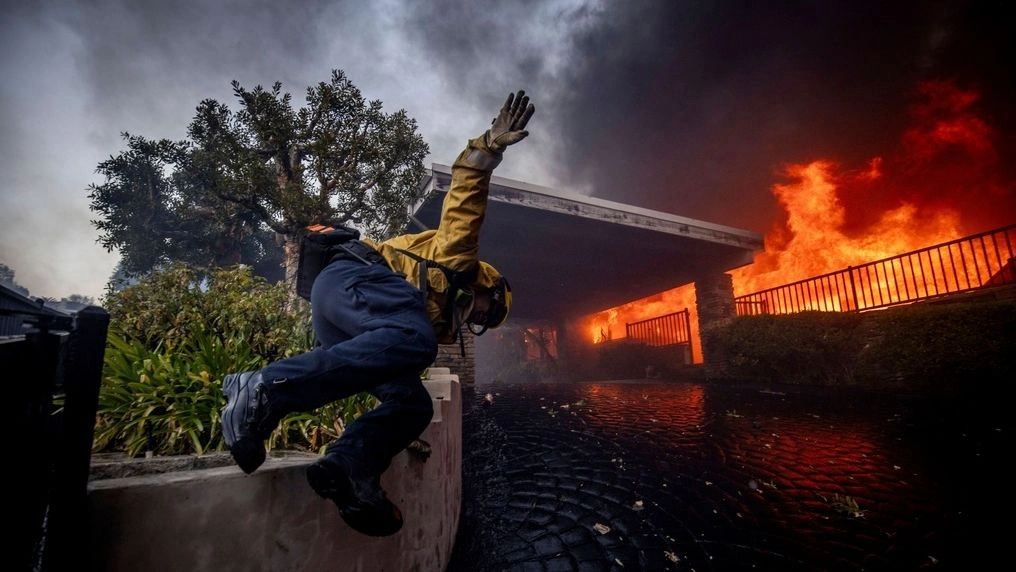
(220, 519)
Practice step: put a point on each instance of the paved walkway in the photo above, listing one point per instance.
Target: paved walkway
(681, 476)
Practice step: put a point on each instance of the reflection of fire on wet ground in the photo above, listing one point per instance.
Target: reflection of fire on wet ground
(721, 477)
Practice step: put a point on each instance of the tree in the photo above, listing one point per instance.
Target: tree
(267, 170)
(7, 279)
(70, 304)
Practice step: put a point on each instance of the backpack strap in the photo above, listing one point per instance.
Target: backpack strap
(458, 280)
(350, 252)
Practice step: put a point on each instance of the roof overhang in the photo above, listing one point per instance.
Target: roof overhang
(567, 255)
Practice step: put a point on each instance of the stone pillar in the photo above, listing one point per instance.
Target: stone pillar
(450, 356)
(576, 356)
(714, 300)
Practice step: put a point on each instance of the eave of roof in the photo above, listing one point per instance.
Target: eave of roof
(568, 255)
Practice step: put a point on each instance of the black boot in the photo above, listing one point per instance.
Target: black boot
(362, 502)
(247, 419)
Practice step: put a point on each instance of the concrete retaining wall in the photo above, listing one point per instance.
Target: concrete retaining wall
(221, 519)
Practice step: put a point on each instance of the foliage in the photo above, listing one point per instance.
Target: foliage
(241, 178)
(77, 299)
(7, 279)
(164, 400)
(931, 347)
(942, 347)
(502, 357)
(845, 505)
(174, 305)
(814, 348)
(627, 359)
(174, 335)
(71, 303)
(315, 430)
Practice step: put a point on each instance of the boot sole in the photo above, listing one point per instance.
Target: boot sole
(248, 454)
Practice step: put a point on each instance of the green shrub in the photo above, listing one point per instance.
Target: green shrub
(175, 335)
(929, 347)
(169, 307)
(628, 359)
(943, 347)
(166, 401)
(815, 348)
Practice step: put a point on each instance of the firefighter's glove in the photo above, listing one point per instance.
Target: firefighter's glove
(509, 127)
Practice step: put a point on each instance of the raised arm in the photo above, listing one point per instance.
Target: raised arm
(465, 205)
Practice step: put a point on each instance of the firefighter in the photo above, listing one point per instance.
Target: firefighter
(379, 314)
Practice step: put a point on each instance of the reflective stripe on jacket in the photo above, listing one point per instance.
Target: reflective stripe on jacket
(455, 243)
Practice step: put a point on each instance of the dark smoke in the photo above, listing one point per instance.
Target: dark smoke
(694, 107)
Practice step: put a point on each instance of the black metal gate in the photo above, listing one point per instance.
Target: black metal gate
(970, 263)
(53, 367)
(667, 330)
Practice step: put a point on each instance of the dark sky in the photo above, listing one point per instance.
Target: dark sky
(692, 108)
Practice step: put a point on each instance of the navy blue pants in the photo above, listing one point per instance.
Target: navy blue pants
(374, 336)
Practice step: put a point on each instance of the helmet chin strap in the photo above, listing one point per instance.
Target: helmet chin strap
(483, 329)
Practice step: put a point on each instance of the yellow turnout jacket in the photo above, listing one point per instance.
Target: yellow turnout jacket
(455, 243)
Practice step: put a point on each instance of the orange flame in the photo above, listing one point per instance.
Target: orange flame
(940, 183)
(818, 243)
(610, 324)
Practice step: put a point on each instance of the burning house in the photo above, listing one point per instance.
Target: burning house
(568, 256)
(588, 271)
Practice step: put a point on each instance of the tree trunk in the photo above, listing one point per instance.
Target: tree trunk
(290, 262)
(227, 248)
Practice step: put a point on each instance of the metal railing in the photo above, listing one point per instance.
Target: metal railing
(666, 330)
(53, 363)
(961, 265)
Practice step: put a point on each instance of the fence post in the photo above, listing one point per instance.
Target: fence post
(686, 316)
(853, 287)
(66, 531)
(31, 364)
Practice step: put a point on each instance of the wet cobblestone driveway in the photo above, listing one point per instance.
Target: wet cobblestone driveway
(682, 476)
